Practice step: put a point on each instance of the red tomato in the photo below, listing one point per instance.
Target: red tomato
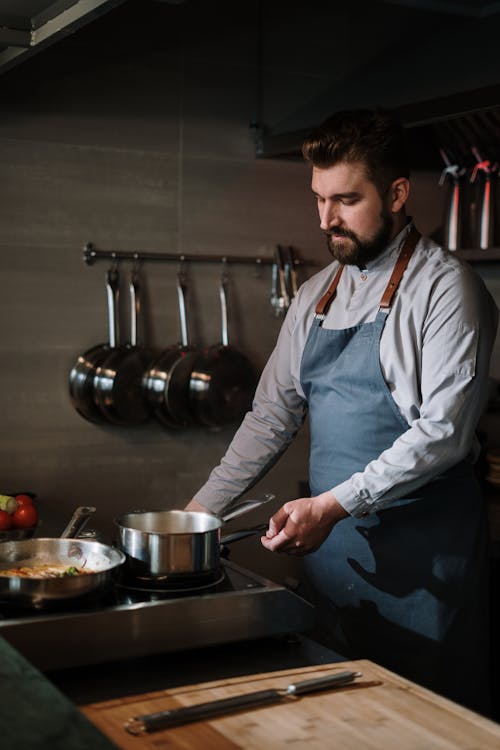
(23, 500)
(24, 517)
(5, 521)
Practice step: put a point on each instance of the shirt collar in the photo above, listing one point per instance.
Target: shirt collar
(392, 248)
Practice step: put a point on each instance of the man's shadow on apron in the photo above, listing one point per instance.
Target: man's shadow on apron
(427, 545)
(413, 593)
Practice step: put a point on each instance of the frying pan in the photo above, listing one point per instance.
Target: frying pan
(118, 390)
(178, 546)
(167, 381)
(222, 381)
(81, 378)
(101, 559)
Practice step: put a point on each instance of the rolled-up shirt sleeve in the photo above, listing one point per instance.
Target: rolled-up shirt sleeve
(277, 413)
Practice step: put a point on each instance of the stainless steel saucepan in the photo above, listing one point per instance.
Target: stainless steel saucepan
(169, 547)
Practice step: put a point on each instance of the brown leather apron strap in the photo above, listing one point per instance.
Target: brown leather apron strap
(328, 297)
(409, 246)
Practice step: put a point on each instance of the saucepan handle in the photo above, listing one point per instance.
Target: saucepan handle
(243, 534)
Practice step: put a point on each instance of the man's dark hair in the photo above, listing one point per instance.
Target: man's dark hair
(373, 137)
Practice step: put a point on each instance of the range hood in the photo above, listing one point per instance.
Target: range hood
(28, 26)
(442, 67)
(471, 8)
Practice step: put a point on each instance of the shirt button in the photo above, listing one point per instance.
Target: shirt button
(363, 276)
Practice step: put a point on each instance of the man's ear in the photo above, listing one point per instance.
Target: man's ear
(399, 192)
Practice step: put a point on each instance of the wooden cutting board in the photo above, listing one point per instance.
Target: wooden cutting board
(380, 710)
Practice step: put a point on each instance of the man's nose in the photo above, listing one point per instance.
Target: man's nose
(329, 216)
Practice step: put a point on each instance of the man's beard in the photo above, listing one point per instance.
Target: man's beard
(357, 252)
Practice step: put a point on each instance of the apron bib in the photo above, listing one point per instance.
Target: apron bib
(406, 587)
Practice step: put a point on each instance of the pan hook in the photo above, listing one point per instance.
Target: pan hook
(136, 265)
(112, 274)
(182, 270)
(224, 276)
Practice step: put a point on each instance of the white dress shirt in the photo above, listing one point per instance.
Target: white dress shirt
(434, 352)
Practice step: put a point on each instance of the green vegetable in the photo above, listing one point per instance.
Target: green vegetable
(8, 503)
(71, 571)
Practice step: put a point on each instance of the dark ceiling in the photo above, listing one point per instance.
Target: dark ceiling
(438, 66)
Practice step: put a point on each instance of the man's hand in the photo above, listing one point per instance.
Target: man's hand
(301, 526)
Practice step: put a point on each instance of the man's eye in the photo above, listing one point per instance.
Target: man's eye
(349, 201)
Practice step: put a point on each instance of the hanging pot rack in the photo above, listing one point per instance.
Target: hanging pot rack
(92, 255)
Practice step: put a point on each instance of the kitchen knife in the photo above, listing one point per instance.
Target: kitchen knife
(166, 719)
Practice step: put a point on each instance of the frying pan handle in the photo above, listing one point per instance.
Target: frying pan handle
(78, 521)
(181, 296)
(112, 293)
(135, 306)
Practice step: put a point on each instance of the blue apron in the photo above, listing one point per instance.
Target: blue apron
(406, 587)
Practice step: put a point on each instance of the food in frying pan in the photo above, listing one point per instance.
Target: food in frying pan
(45, 570)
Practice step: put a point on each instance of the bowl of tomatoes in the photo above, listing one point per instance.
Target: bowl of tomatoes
(18, 516)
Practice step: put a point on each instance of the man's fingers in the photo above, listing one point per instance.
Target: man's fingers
(277, 522)
(278, 541)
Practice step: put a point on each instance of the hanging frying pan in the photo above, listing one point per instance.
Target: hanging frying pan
(118, 379)
(222, 381)
(167, 381)
(81, 378)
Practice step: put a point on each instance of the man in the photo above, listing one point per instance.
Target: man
(388, 351)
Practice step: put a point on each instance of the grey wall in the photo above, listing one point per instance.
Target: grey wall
(134, 134)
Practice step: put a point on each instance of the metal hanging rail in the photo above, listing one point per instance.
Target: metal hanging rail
(91, 255)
